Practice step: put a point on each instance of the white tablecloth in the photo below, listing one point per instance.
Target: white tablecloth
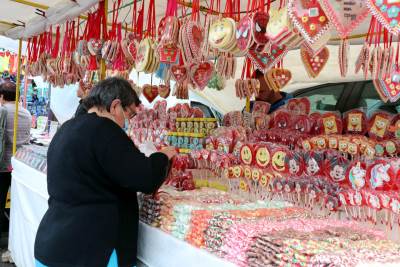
(29, 203)
(159, 249)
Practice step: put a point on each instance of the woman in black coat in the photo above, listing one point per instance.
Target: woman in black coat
(94, 171)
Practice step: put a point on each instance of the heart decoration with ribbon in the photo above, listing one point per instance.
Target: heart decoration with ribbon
(163, 90)
(387, 12)
(345, 15)
(390, 87)
(244, 36)
(265, 61)
(201, 74)
(314, 64)
(299, 106)
(309, 19)
(260, 22)
(277, 78)
(95, 46)
(150, 92)
(179, 73)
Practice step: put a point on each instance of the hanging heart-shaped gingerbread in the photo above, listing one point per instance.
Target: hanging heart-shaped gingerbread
(387, 12)
(260, 22)
(314, 64)
(201, 74)
(279, 27)
(179, 73)
(362, 61)
(264, 61)
(391, 85)
(279, 77)
(94, 46)
(345, 15)
(163, 90)
(150, 92)
(244, 35)
(309, 19)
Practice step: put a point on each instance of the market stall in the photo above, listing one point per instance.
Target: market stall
(293, 187)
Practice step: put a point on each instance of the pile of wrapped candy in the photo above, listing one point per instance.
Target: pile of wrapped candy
(154, 124)
(263, 233)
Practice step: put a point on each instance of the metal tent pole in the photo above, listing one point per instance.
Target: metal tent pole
(14, 148)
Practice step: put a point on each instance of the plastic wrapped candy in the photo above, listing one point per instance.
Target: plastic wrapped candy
(278, 159)
(299, 106)
(281, 119)
(336, 169)
(313, 162)
(224, 143)
(332, 123)
(262, 156)
(246, 154)
(333, 142)
(392, 147)
(378, 125)
(302, 124)
(356, 175)
(294, 163)
(261, 107)
(319, 142)
(317, 126)
(395, 127)
(381, 176)
(355, 122)
(261, 122)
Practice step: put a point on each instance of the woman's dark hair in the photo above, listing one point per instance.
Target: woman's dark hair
(8, 91)
(106, 91)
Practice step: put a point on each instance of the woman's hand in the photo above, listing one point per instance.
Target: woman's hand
(169, 151)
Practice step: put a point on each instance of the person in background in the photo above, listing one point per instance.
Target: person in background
(7, 100)
(94, 172)
(81, 93)
(266, 94)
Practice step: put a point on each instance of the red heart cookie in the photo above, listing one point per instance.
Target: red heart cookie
(264, 61)
(345, 15)
(150, 92)
(179, 73)
(163, 90)
(387, 13)
(201, 74)
(309, 19)
(314, 64)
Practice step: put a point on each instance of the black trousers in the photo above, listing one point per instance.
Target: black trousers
(5, 182)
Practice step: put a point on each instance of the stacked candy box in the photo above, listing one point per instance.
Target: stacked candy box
(190, 133)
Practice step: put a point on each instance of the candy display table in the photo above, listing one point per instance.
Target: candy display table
(159, 249)
(29, 203)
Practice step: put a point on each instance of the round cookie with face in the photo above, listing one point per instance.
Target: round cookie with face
(222, 33)
(246, 154)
